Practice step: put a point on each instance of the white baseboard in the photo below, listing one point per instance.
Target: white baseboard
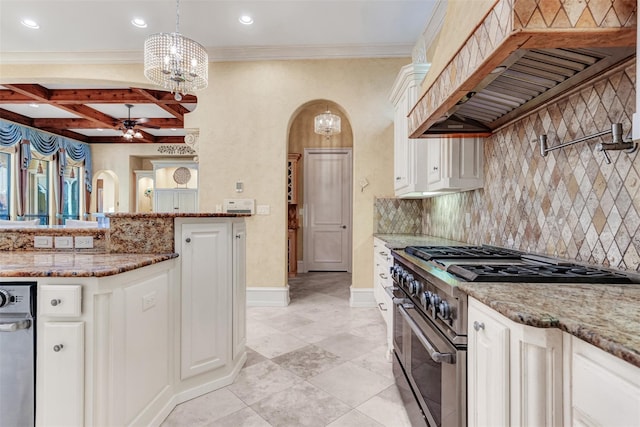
(362, 297)
(268, 297)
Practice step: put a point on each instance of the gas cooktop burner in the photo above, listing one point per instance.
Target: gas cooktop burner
(453, 252)
(536, 273)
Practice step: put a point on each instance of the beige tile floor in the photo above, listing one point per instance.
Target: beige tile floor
(317, 362)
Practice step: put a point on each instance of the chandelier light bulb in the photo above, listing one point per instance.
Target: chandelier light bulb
(327, 124)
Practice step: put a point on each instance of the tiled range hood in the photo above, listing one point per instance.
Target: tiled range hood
(523, 53)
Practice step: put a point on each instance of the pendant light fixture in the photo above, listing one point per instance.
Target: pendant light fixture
(176, 62)
(327, 124)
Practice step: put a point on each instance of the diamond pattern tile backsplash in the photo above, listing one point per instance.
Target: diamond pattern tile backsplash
(569, 204)
(397, 216)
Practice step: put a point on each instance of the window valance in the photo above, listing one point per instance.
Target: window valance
(47, 145)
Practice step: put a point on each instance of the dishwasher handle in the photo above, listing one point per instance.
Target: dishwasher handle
(14, 326)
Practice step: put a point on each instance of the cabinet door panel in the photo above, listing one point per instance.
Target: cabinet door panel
(488, 371)
(206, 278)
(239, 290)
(60, 375)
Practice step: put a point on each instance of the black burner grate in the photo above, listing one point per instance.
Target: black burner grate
(536, 273)
(453, 252)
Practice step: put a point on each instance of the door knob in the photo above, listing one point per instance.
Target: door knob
(344, 226)
(188, 240)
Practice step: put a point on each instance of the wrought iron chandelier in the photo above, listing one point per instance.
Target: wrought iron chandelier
(327, 124)
(176, 62)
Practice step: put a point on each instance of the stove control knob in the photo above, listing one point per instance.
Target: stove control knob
(416, 289)
(408, 278)
(435, 303)
(4, 298)
(445, 310)
(425, 299)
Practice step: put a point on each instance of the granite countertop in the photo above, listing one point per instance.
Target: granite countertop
(70, 264)
(401, 241)
(607, 316)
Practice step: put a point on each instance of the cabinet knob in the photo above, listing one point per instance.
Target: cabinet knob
(478, 325)
(58, 347)
(238, 236)
(435, 168)
(55, 302)
(398, 178)
(188, 240)
(344, 226)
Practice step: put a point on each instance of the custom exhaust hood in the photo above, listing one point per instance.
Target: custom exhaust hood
(505, 70)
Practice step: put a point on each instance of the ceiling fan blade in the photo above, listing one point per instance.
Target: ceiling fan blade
(148, 126)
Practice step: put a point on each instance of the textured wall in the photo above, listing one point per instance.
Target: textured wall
(570, 203)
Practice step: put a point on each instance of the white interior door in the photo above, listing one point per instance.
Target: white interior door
(327, 207)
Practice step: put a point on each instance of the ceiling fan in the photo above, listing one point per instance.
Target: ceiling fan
(128, 128)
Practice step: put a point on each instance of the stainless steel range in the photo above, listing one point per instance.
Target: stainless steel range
(430, 317)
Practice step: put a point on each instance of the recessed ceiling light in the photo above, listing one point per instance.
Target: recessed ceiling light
(173, 129)
(34, 105)
(99, 129)
(30, 23)
(139, 22)
(246, 20)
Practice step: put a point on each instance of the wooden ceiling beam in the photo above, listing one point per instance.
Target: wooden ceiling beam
(162, 123)
(35, 92)
(15, 117)
(174, 108)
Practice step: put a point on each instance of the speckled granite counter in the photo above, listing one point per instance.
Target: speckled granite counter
(69, 264)
(399, 241)
(607, 316)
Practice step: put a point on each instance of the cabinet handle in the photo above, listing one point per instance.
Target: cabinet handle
(58, 347)
(383, 276)
(56, 301)
(188, 240)
(435, 168)
(380, 306)
(398, 178)
(478, 325)
(238, 236)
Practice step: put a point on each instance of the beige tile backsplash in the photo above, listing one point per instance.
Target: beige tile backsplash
(569, 204)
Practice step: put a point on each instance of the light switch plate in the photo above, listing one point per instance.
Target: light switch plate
(64, 242)
(44, 242)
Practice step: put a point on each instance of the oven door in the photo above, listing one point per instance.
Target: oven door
(434, 368)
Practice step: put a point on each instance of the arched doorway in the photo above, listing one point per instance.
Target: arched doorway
(105, 197)
(302, 214)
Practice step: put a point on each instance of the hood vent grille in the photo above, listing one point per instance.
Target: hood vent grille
(527, 79)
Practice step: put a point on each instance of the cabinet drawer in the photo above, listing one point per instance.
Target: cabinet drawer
(60, 300)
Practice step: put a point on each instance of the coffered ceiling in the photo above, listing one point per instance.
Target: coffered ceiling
(101, 31)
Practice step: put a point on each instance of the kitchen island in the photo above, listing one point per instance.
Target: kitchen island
(123, 337)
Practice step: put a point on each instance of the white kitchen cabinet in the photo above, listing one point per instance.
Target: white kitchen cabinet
(239, 305)
(454, 164)
(206, 251)
(60, 374)
(382, 261)
(176, 200)
(410, 177)
(600, 389)
(514, 371)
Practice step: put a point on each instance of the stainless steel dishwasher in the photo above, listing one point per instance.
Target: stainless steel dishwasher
(17, 353)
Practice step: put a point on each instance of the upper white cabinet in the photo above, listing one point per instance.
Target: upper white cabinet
(514, 371)
(429, 166)
(410, 177)
(454, 164)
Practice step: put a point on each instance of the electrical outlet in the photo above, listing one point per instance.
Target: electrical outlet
(263, 210)
(84, 242)
(148, 301)
(64, 242)
(43, 242)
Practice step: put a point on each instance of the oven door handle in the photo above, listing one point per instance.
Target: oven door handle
(394, 299)
(436, 356)
(14, 326)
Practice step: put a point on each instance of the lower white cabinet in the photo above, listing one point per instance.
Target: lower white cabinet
(514, 371)
(176, 201)
(60, 374)
(600, 389)
(382, 261)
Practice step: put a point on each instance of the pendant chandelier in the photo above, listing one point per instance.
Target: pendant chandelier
(327, 124)
(175, 62)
